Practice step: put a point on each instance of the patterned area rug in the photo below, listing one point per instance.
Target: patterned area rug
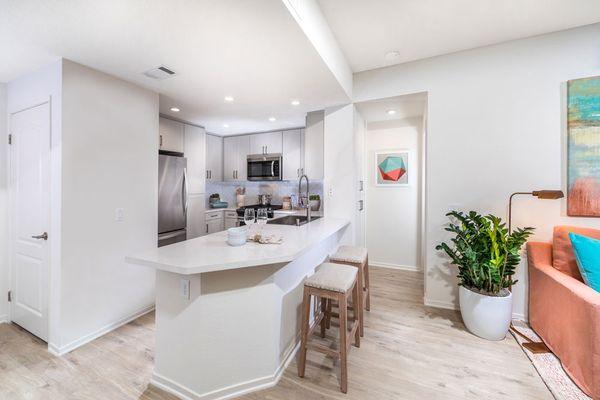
(549, 368)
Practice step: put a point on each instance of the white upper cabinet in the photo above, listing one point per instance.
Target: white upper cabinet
(214, 158)
(293, 154)
(170, 135)
(235, 152)
(266, 143)
(313, 145)
(195, 153)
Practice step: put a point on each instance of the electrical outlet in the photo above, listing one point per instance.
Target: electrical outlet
(184, 285)
(119, 214)
(330, 192)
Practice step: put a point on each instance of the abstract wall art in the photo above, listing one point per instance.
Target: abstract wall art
(391, 168)
(583, 155)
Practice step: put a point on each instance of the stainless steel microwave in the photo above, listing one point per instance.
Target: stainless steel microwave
(264, 167)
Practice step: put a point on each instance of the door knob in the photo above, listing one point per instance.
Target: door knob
(42, 236)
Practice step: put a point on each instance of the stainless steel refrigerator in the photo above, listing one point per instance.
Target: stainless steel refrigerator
(172, 198)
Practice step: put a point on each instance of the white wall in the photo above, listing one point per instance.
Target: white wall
(495, 126)
(109, 161)
(393, 212)
(339, 183)
(3, 207)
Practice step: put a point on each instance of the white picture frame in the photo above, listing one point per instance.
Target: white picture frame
(381, 180)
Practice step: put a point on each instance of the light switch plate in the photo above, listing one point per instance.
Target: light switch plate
(119, 214)
(184, 285)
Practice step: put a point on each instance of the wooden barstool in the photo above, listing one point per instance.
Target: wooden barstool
(357, 257)
(330, 282)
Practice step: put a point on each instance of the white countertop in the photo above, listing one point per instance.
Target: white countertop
(220, 209)
(212, 253)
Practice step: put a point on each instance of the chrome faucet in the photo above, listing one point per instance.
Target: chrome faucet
(304, 200)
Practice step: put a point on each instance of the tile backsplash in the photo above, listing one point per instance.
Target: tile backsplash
(276, 189)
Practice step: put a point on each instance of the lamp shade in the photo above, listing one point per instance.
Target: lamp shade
(549, 194)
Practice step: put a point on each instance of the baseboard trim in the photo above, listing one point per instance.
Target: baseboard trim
(520, 317)
(451, 306)
(59, 351)
(448, 305)
(229, 392)
(3, 318)
(394, 266)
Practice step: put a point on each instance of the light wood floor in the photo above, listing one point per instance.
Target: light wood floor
(409, 352)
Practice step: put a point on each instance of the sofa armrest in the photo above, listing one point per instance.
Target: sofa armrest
(565, 313)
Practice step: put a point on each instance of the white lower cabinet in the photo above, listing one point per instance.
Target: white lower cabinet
(231, 219)
(230, 223)
(214, 221)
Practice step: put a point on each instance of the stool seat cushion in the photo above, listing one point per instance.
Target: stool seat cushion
(334, 277)
(353, 254)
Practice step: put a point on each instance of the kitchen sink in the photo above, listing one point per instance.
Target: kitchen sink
(292, 220)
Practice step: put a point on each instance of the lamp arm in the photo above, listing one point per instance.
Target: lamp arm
(510, 209)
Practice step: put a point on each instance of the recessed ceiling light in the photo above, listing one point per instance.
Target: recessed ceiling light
(272, 119)
(229, 99)
(225, 125)
(295, 103)
(392, 55)
(391, 112)
(175, 109)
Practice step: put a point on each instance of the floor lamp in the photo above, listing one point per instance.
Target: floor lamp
(534, 347)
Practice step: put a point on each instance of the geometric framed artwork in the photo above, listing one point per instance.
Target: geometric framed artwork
(391, 168)
(583, 148)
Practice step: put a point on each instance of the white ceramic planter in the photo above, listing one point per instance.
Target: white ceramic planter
(485, 316)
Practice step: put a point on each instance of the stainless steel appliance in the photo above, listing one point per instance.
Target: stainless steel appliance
(264, 167)
(172, 198)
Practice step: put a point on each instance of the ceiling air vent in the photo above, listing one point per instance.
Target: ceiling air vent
(159, 73)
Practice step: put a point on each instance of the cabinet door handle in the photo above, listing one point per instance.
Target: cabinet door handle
(160, 140)
(233, 174)
(206, 228)
(210, 174)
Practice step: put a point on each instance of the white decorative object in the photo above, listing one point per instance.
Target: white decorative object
(266, 239)
(240, 200)
(485, 316)
(236, 236)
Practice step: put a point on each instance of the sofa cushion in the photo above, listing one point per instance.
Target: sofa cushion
(587, 254)
(562, 251)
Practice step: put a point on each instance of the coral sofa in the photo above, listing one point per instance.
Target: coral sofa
(563, 310)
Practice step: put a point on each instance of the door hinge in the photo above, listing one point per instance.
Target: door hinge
(10, 138)
(9, 296)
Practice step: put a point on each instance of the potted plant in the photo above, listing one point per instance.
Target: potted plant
(315, 202)
(486, 255)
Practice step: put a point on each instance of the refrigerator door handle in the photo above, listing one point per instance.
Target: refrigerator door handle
(184, 192)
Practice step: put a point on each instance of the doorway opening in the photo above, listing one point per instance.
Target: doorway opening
(394, 162)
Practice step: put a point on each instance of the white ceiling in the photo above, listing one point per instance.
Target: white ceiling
(251, 50)
(406, 106)
(367, 30)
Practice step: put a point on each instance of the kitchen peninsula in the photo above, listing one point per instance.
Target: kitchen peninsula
(228, 318)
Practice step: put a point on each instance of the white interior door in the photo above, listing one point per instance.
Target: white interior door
(29, 185)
